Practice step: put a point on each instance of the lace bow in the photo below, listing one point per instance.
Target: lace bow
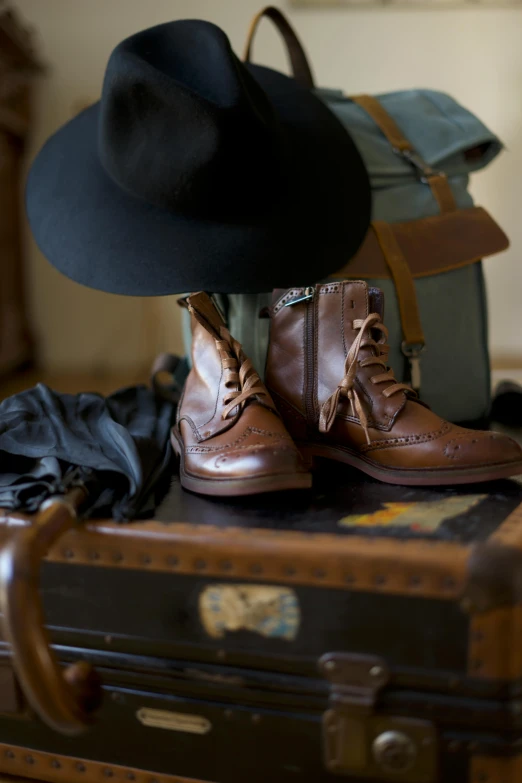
(347, 388)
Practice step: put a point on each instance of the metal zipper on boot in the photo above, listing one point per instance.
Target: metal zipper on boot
(307, 297)
(310, 337)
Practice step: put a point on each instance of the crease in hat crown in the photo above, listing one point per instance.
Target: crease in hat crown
(215, 120)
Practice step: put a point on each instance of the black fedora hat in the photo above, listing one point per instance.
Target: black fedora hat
(196, 171)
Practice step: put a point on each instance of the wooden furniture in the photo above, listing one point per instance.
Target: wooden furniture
(18, 67)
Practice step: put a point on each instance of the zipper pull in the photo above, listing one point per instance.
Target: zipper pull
(308, 295)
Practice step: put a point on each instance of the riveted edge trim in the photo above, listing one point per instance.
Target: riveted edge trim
(494, 645)
(422, 568)
(493, 769)
(24, 762)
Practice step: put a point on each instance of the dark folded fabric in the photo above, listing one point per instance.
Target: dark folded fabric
(118, 446)
(507, 404)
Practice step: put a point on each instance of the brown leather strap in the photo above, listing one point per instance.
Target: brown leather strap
(441, 189)
(300, 66)
(384, 122)
(404, 283)
(437, 180)
(432, 245)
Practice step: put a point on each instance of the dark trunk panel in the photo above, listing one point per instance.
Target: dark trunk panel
(259, 728)
(409, 632)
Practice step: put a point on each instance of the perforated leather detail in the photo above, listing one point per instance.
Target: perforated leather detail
(236, 444)
(410, 440)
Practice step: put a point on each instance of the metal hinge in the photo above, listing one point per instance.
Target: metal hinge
(357, 740)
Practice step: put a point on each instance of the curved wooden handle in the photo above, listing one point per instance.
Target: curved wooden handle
(63, 699)
(301, 69)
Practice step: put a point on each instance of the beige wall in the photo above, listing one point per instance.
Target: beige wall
(475, 54)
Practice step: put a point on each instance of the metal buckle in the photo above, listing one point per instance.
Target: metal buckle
(413, 351)
(360, 743)
(422, 169)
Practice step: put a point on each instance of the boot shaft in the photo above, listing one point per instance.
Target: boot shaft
(205, 387)
(220, 374)
(312, 331)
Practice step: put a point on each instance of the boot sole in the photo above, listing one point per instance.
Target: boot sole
(236, 487)
(410, 477)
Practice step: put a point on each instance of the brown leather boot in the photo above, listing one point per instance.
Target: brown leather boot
(327, 372)
(228, 434)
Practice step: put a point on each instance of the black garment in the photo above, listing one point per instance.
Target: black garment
(118, 446)
(507, 404)
(197, 171)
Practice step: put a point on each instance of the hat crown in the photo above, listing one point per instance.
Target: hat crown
(184, 126)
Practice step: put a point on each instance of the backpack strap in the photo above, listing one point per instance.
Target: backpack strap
(300, 66)
(414, 342)
(404, 283)
(413, 336)
(437, 180)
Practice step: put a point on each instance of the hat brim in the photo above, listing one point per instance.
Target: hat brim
(102, 237)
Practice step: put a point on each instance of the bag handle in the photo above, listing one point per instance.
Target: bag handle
(301, 70)
(437, 180)
(64, 699)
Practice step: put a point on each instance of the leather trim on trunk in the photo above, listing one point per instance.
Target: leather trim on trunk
(55, 768)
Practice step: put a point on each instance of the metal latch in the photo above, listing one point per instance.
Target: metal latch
(422, 169)
(357, 741)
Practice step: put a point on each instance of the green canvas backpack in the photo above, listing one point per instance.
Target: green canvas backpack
(426, 243)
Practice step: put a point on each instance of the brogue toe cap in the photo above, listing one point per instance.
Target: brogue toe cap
(273, 459)
(470, 448)
(265, 460)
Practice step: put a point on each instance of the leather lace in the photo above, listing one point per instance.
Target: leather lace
(239, 372)
(347, 387)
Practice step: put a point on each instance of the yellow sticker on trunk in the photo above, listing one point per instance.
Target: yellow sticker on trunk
(425, 516)
(263, 609)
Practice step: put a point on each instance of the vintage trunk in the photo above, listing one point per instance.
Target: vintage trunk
(361, 632)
